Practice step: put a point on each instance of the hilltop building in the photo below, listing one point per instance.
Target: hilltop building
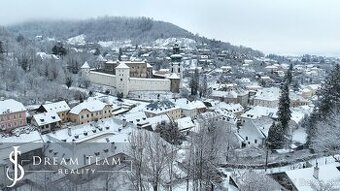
(138, 75)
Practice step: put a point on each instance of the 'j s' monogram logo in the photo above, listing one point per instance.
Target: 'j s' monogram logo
(13, 157)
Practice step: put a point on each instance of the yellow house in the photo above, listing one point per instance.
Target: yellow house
(61, 108)
(90, 110)
(163, 107)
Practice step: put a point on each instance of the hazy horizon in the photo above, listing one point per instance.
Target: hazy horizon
(285, 27)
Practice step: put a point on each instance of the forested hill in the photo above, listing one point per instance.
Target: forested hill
(138, 30)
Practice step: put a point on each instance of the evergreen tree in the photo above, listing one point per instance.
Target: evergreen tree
(120, 53)
(289, 75)
(204, 87)
(329, 93)
(278, 132)
(194, 83)
(2, 51)
(59, 49)
(284, 113)
(96, 52)
(276, 138)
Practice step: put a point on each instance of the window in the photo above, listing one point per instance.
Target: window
(82, 116)
(255, 141)
(121, 79)
(92, 114)
(246, 138)
(87, 115)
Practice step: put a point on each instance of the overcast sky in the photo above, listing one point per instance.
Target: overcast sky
(272, 26)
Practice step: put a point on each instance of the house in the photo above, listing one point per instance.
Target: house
(61, 108)
(267, 97)
(190, 108)
(12, 114)
(46, 122)
(185, 124)
(163, 107)
(236, 109)
(90, 110)
(312, 178)
(254, 131)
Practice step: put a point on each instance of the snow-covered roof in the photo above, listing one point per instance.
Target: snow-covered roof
(11, 106)
(226, 67)
(122, 66)
(85, 66)
(298, 113)
(160, 106)
(185, 123)
(57, 107)
(110, 135)
(101, 58)
(91, 105)
(231, 107)
(174, 76)
(303, 179)
(268, 94)
(148, 65)
(46, 118)
(217, 93)
(259, 111)
(30, 140)
(185, 104)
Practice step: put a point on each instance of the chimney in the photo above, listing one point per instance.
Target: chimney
(69, 131)
(124, 122)
(316, 171)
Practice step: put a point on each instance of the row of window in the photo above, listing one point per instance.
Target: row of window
(13, 124)
(13, 116)
(89, 121)
(92, 114)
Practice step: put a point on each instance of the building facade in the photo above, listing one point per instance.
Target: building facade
(128, 76)
(12, 114)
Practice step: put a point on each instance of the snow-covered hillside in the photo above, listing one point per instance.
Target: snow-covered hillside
(168, 42)
(77, 40)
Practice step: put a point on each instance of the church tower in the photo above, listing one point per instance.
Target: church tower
(176, 66)
(122, 78)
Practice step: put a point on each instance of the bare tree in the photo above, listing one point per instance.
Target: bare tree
(251, 181)
(327, 133)
(203, 154)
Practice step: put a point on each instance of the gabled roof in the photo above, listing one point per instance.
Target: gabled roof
(11, 106)
(46, 118)
(174, 76)
(122, 66)
(57, 107)
(90, 105)
(85, 66)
